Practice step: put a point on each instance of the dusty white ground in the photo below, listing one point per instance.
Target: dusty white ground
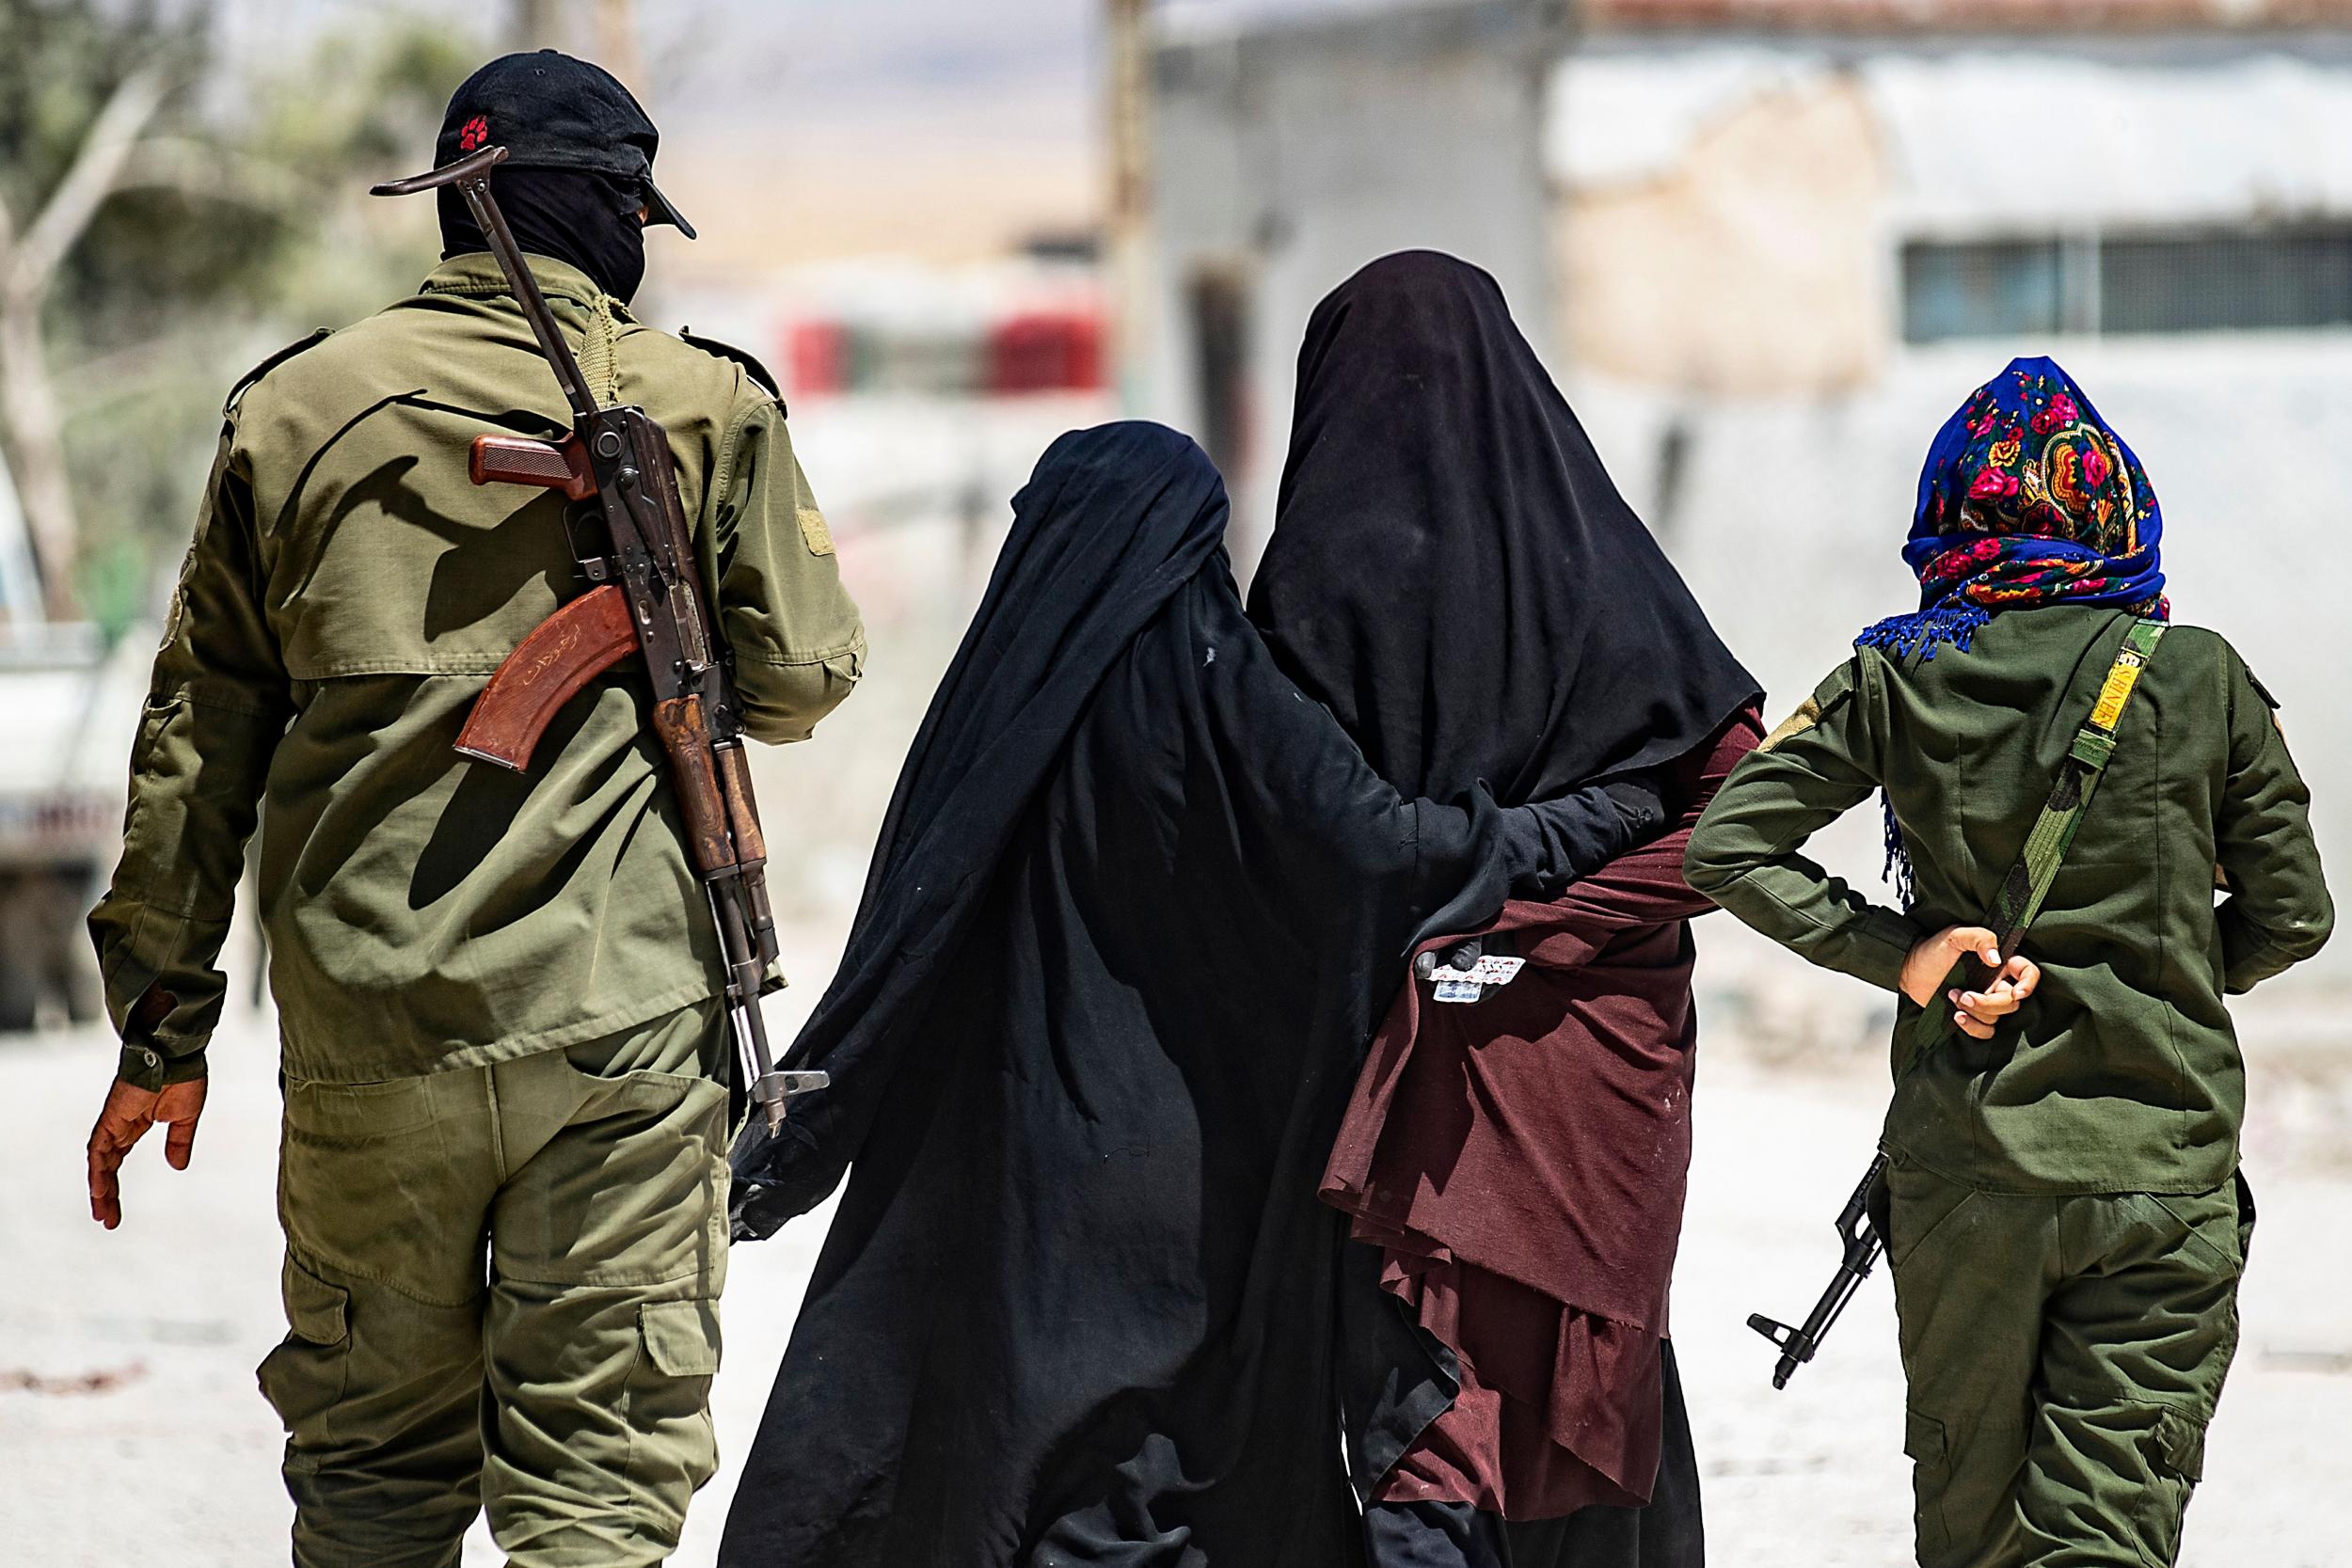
(141, 1437)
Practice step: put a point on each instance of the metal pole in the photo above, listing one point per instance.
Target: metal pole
(1128, 220)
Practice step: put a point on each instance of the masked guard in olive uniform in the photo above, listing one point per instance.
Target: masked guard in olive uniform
(2063, 773)
(500, 994)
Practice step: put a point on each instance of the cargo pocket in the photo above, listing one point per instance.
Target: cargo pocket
(681, 1337)
(306, 1376)
(2179, 1464)
(672, 1448)
(1930, 1473)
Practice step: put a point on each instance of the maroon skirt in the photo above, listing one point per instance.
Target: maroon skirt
(1522, 1164)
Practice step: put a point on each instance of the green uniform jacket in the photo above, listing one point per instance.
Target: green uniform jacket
(2122, 1074)
(347, 595)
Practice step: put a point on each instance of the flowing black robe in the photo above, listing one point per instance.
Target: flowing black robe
(1098, 1016)
(1453, 573)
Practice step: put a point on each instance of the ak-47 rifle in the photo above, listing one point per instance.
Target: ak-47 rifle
(630, 538)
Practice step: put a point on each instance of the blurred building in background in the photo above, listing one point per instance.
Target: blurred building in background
(1293, 143)
(1768, 245)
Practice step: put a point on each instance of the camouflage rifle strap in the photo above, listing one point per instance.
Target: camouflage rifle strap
(2028, 881)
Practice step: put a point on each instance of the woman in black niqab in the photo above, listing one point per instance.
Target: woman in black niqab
(1452, 572)
(1098, 1013)
(1454, 576)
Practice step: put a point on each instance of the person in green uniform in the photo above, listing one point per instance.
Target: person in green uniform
(502, 1179)
(2064, 1215)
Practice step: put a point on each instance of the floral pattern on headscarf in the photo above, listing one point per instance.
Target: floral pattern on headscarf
(2027, 497)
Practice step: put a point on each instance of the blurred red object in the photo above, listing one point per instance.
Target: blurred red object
(817, 354)
(1045, 351)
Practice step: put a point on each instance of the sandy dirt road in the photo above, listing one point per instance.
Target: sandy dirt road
(131, 1431)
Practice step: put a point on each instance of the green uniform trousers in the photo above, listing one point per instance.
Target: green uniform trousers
(2064, 1355)
(502, 1284)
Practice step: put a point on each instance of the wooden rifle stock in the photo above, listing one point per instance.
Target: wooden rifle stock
(564, 652)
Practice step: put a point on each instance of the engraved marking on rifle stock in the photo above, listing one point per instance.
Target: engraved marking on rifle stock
(557, 651)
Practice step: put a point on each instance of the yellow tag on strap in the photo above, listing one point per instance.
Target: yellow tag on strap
(2120, 679)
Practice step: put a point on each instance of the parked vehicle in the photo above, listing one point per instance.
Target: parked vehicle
(71, 710)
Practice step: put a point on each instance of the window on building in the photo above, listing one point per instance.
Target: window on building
(2225, 282)
(2244, 279)
(1992, 288)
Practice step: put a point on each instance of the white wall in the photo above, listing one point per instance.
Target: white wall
(1297, 155)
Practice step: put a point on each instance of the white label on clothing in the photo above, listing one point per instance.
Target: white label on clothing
(1469, 984)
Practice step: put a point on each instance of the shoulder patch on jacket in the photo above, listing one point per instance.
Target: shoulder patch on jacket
(1807, 715)
(752, 366)
(1832, 691)
(317, 337)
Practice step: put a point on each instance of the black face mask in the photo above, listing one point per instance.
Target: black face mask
(572, 215)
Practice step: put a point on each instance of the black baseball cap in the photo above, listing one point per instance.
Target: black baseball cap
(551, 111)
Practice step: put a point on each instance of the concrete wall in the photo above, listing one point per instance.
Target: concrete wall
(1746, 266)
(1731, 213)
(1286, 159)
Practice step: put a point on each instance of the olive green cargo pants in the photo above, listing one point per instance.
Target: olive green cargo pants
(2064, 1355)
(502, 1284)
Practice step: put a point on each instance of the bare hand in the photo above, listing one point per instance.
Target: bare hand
(1980, 1011)
(1933, 959)
(1976, 1012)
(124, 1119)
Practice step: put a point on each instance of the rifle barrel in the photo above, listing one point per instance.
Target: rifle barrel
(1861, 1250)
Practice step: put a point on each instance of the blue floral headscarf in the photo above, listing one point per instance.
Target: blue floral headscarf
(2027, 497)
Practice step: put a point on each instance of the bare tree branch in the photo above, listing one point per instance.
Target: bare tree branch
(36, 446)
(33, 424)
(48, 238)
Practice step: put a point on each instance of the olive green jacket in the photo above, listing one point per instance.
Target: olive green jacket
(2122, 1074)
(347, 596)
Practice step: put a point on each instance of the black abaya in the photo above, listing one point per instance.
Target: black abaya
(1105, 999)
(1453, 573)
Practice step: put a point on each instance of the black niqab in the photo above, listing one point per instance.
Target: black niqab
(1452, 572)
(1090, 1041)
(586, 218)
